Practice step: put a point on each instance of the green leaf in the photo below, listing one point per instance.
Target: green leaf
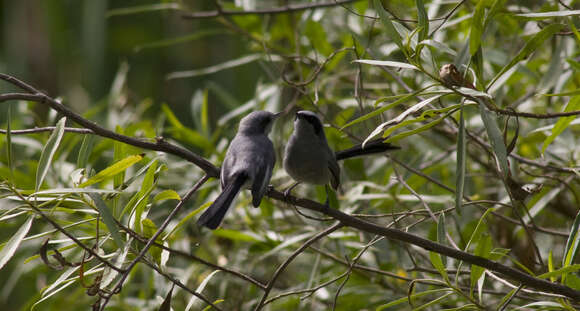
(410, 297)
(572, 243)
(552, 14)
(235, 235)
(558, 272)
(113, 170)
(441, 233)
(440, 47)
(85, 151)
(385, 63)
(200, 289)
(48, 152)
(166, 195)
(562, 122)
(108, 219)
(119, 153)
(529, 48)
(144, 9)
(182, 132)
(460, 168)
(141, 198)
(149, 229)
(495, 138)
(438, 264)
(199, 108)
(483, 249)
(385, 18)
(385, 108)
(477, 27)
(12, 245)
(423, 20)
(178, 40)
(426, 115)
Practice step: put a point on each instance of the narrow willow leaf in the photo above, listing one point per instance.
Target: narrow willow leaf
(85, 151)
(438, 264)
(478, 231)
(572, 243)
(48, 152)
(385, 108)
(483, 249)
(142, 196)
(144, 9)
(420, 129)
(413, 296)
(166, 195)
(385, 63)
(219, 67)
(178, 40)
(200, 289)
(529, 48)
(460, 169)
(119, 153)
(441, 233)
(385, 18)
(477, 24)
(439, 46)
(495, 138)
(551, 265)
(107, 217)
(563, 122)
(423, 19)
(113, 170)
(12, 245)
(558, 272)
(425, 116)
(552, 14)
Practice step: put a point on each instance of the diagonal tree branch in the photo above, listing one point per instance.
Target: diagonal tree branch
(405, 237)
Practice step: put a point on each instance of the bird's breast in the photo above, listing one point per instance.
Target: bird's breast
(306, 161)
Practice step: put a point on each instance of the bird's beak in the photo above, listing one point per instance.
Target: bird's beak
(278, 114)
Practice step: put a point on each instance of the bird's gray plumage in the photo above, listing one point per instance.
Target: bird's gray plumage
(307, 157)
(249, 161)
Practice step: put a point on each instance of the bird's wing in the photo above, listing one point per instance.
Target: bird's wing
(334, 173)
(262, 179)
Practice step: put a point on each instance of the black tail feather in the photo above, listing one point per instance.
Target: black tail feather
(371, 147)
(214, 215)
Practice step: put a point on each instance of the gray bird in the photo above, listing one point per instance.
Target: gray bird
(309, 159)
(249, 161)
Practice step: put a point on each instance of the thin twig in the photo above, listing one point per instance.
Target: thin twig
(278, 10)
(47, 129)
(298, 251)
(141, 254)
(405, 237)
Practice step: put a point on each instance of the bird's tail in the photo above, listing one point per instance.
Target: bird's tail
(214, 215)
(371, 147)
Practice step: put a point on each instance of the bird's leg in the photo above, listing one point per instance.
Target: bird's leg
(288, 191)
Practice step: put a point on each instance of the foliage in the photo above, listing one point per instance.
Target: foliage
(488, 164)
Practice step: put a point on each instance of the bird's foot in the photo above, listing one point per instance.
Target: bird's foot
(288, 192)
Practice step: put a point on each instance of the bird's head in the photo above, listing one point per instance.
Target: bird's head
(308, 122)
(258, 122)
